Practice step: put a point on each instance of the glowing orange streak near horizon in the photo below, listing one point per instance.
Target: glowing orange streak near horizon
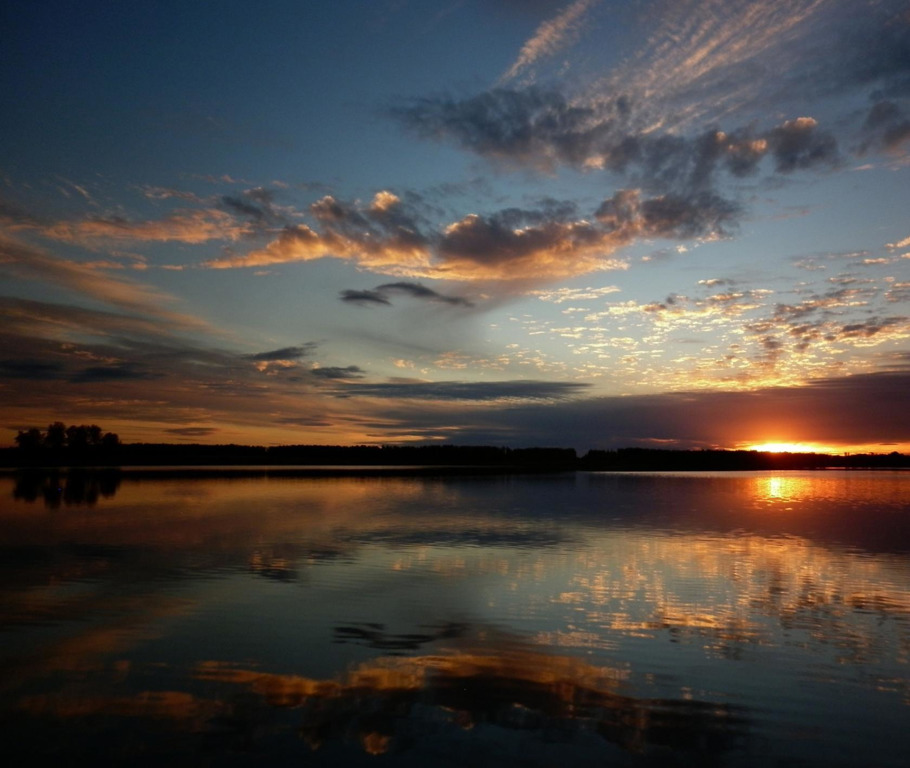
(793, 448)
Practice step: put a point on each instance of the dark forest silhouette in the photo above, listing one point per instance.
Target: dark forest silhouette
(88, 445)
(59, 440)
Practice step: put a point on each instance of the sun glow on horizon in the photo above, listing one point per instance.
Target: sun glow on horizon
(792, 448)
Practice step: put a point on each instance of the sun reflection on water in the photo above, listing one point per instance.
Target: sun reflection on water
(783, 488)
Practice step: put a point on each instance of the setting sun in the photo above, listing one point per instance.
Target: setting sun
(792, 448)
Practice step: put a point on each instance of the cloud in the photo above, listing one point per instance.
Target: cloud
(562, 295)
(336, 373)
(492, 247)
(30, 369)
(817, 322)
(165, 193)
(284, 353)
(383, 234)
(798, 144)
(137, 375)
(306, 421)
(186, 226)
(117, 372)
(379, 295)
(86, 281)
(530, 126)
(258, 206)
(192, 431)
(521, 245)
(364, 298)
(240, 206)
(550, 36)
(418, 291)
(673, 216)
(709, 59)
(542, 129)
(887, 127)
(469, 391)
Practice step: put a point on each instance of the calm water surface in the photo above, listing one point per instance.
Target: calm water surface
(739, 619)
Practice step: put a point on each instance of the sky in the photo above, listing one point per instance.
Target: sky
(590, 224)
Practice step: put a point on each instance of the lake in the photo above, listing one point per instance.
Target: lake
(725, 619)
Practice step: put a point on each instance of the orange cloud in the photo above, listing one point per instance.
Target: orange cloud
(88, 280)
(185, 226)
(509, 245)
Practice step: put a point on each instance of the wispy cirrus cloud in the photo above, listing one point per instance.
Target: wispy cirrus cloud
(191, 226)
(704, 59)
(550, 37)
(86, 281)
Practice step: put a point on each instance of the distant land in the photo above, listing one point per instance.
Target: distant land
(423, 458)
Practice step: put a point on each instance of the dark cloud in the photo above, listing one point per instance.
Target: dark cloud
(669, 216)
(863, 408)
(418, 291)
(192, 431)
(799, 144)
(676, 216)
(120, 372)
(331, 372)
(533, 126)
(541, 128)
(871, 327)
(256, 205)
(491, 239)
(380, 294)
(462, 390)
(30, 369)
(238, 205)
(364, 298)
(887, 127)
(385, 220)
(284, 353)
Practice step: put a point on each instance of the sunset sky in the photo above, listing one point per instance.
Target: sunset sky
(588, 224)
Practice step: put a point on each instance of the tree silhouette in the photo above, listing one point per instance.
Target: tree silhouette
(30, 439)
(78, 443)
(55, 439)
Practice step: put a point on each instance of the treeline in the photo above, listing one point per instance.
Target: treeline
(151, 454)
(89, 445)
(83, 442)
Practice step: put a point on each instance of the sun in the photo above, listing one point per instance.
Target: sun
(791, 448)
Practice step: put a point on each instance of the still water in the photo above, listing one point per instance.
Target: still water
(737, 619)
